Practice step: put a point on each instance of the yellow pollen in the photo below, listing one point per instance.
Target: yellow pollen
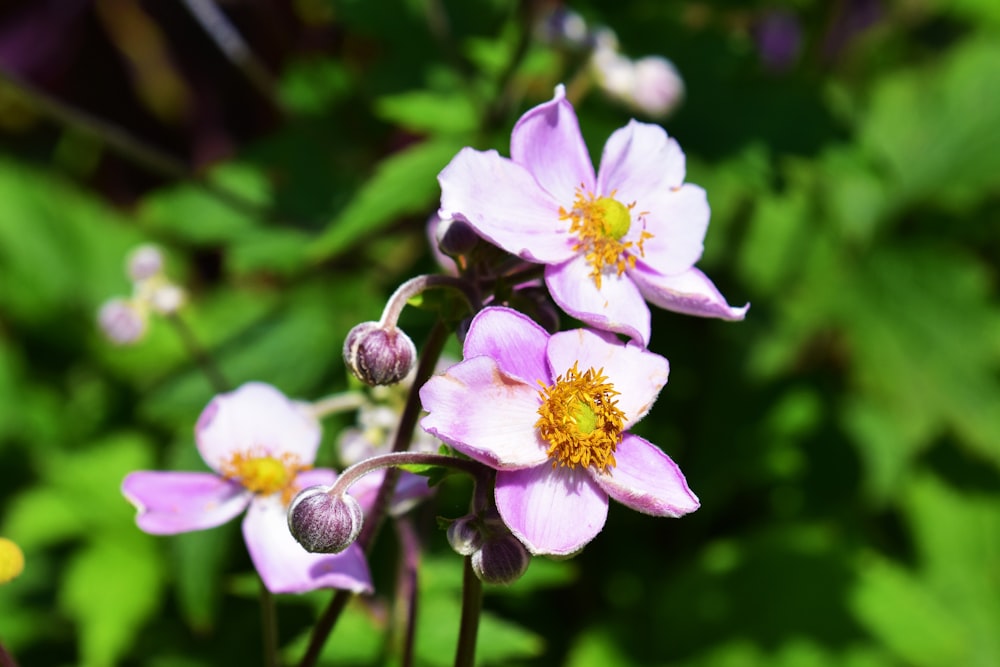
(265, 474)
(580, 419)
(600, 224)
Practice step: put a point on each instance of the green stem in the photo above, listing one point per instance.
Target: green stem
(199, 354)
(269, 626)
(472, 603)
(404, 434)
(343, 402)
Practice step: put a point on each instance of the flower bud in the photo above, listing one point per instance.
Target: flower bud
(144, 262)
(465, 535)
(11, 560)
(167, 299)
(659, 88)
(377, 355)
(121, 321)
(322, 523)
(501, 560)
(455, 237)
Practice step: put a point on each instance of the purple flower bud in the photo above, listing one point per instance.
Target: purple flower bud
(121, 321)
(501, 560)
(465, 535)
(144, 262)
(455, 237)
(324, 524)
(377, 355)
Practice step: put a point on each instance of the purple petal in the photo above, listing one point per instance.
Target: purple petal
(639, 160)
(547, 142)
(637, 374)
(511, 339)
(617, 306)
(485, 414)
(178, 502)
(553, 511)
(690, 292)
(647, 480)
(285, 566)
(315, 477)
(505, 205)
(678, 220)
(256, 418)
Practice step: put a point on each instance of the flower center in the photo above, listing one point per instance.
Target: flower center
(600, 224)
(265, 474)
(580, 419)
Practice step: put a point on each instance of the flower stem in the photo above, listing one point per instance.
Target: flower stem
(414, 286)
(407, 587)
(472, 603)
(348, 400)
(404, 434)
(269, 626)
(199, 354)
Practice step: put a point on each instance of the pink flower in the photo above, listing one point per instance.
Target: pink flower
(630, 234)
(261, 447)
(551, 414)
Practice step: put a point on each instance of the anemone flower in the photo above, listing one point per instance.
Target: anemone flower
(260, 446)
(551, 414)
(609, 242)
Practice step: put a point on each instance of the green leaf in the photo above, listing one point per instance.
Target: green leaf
(405, 183)
(429, 111)
(234, 201)
(110, 589)
(897, 608)
(60, 247)
(935, 126)
(313, 86)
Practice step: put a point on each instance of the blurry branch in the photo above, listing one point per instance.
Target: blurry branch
(220, 29)
(527, 14)
(126, 145)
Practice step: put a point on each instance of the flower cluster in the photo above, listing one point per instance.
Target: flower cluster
(539, 417)
(649, 85)
(125, 320)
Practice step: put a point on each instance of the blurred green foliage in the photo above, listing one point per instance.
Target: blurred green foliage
(844, 439)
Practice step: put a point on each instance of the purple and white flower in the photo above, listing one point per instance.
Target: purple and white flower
(609, 241)
(551, 414)
(260, 446)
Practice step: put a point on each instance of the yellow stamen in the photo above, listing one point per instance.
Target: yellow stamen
(580, 419)
(600, 224)
(265, 474)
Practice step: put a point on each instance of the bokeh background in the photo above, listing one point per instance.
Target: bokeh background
(844, 439)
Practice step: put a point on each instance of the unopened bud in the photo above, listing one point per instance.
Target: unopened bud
(11, 560)
(659, 87)
(501, 560)
(377, 355)
(455, 237)
(121, 321)
(465, 535)
(167, 299)
(324, 524)
(144, 262)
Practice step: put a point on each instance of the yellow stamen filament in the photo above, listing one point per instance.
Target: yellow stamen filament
(580, 419)
(265, 474)
(600, 224)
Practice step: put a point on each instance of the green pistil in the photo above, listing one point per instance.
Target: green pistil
(616, 218)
